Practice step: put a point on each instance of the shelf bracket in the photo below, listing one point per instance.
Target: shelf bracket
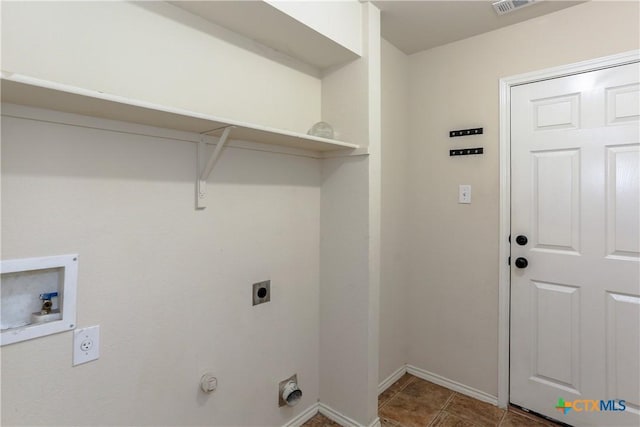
(204, 170)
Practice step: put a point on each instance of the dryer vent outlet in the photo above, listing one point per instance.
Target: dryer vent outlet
(289, 394)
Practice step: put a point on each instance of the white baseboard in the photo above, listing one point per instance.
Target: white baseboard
(304, 416)
(343, 420)
(392, 379)
(452, 385)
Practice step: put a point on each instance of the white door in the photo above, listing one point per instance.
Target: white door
(575, 196)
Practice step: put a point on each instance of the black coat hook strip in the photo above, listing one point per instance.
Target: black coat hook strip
(465, 132)
(466, 151)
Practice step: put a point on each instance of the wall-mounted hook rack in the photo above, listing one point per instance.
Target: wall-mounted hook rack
(204, 170)
(465, 132)
(466, 151)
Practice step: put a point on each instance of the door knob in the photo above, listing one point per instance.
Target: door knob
(522, 240)
(522, 262)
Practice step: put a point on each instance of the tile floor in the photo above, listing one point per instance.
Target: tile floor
(413, 402)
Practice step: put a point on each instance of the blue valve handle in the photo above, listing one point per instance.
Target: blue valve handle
(48, 296)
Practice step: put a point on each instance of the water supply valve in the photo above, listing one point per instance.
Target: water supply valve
(47, 304)
(47, 313)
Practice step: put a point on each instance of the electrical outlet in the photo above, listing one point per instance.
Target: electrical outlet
(261, 292)
(86, 345)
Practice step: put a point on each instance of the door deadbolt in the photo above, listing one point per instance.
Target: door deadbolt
(522, 240)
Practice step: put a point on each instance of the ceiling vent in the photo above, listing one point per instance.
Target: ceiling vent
(506, 6)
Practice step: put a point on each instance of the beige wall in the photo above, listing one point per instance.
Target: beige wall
(393, 266)
(169, 286)
(350, 235)
(157, 52)
(453, 267)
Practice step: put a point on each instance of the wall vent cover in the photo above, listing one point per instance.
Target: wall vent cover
(506, 6)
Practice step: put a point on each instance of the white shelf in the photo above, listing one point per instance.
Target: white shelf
(267, 25)
(23, 90)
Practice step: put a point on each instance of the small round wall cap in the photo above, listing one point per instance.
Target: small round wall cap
(208, 383)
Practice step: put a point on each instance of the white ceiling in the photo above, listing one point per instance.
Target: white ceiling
(413, 26)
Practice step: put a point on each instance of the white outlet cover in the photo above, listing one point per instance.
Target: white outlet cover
(86, 345)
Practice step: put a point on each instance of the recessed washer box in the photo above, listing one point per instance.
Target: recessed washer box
(37, 297)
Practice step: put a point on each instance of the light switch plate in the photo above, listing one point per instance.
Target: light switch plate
(464, 194)
(86, 345)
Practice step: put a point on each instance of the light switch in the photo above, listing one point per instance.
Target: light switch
(464, 194)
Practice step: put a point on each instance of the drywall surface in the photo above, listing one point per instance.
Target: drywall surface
(169, 286)
(393, 265)
(156, 52)
(374, 96)
(350, 239)
(344, 286)
(345, 101)
(340, 21)
(453, 291)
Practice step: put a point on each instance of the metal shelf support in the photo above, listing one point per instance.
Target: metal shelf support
(204, 170)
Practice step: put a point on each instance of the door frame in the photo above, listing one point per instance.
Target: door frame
(504, 295)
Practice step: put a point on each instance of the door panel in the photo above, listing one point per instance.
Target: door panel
(623, 201)
(556, 199)
(623, 104)
(623, 350)
(558, 112)
(575, 193)
(554, 355)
